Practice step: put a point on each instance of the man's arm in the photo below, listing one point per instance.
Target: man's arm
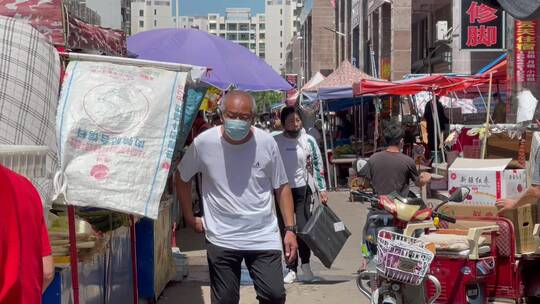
(184, 195)
(48, 272)
(530, 196)
(286, 205)
(423, 179)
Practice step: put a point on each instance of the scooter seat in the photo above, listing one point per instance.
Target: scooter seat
(482, 251)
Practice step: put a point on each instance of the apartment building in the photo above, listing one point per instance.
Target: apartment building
(149, 15)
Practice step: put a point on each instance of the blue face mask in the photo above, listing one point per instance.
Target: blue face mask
(237, 129)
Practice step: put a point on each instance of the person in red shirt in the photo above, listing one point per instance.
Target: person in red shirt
(10, 244)
(35, 268)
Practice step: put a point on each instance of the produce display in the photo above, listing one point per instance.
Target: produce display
(344, 151)
(59, 236)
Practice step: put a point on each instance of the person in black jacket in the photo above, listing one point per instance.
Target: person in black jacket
(443, 122)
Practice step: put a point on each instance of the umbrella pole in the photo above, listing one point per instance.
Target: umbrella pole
(321, 112)
(334, 170)
(362, 122)
(484, 140)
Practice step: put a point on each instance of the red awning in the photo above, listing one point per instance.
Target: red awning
(440, 84)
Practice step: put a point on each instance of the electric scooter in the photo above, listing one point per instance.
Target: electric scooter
(400, 262)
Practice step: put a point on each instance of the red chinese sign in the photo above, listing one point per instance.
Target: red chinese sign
(482, 25)
(525, 51)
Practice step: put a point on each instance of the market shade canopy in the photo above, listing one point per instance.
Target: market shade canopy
(231, 64)
(339, 84)
(521, 9)
(316, 79)
(439, 84)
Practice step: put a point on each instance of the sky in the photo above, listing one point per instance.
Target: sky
(203, 7)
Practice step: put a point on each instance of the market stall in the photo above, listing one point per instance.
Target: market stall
(335, 94)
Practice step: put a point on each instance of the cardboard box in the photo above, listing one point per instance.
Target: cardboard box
(523, 219)
(488, 179)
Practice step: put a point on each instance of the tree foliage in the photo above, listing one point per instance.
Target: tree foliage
(266, 99)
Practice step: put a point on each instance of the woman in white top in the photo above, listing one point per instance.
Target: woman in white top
(304, 167)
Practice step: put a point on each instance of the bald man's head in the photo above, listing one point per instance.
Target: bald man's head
(238, 105)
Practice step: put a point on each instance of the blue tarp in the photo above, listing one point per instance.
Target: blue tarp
(337, 105)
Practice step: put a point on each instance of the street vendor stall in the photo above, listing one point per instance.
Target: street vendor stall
(335, 93)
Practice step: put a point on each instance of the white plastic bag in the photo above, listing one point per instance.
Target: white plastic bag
(117, 127)
(526, 106)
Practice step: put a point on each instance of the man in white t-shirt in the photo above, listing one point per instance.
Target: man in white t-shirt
(241, 167)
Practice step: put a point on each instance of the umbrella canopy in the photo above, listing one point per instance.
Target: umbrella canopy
(231, 64)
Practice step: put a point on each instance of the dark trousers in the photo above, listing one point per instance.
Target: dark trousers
(302, 206)
(264, 268)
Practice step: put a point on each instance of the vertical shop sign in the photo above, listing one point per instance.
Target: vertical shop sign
(482, 25)
(525, 45)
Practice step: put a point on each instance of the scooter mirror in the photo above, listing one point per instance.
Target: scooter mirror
(459, 195)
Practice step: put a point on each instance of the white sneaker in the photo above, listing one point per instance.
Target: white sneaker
(290, 277)
(307, 273)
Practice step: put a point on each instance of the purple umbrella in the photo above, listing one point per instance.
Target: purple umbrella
(231, 64)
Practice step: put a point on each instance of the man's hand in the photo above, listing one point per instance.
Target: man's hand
(324, 197)
(196, 224)
(505, 205)
(291, 246)
(425, 177)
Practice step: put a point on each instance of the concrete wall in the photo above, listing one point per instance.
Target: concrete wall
(323, 40)
(401, 38)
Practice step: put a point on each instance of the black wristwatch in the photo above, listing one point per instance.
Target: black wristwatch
(292, 229)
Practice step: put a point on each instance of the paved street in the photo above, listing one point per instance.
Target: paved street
(336, 285)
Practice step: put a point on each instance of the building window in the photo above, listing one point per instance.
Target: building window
(141, 23)
(253, 46)
(281, 44)
(262, 55)
(244, 37)
(155, 12)
(222, 26)
(280, 55)
(252, 36)
(162, 3)
(155, 22)
(262, 47)
(281, 11)
(212, 26)
(141, 13)
(232, 27)
(262, 26)
(244, 26)
(232, 36)
(262, 36)
(222, 35)
(253, 26)
(281, 22)
(280, 33)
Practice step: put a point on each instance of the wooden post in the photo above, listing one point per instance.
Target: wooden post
(521, 152)
(488, 110)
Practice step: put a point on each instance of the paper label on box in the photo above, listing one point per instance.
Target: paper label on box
(515, 183)
(339, 226)
(482, 183)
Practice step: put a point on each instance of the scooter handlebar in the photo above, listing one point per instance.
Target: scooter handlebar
(445, 218)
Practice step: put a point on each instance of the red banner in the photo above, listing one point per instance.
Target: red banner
(525, 46)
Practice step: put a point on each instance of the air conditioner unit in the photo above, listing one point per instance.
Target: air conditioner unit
(441, 29)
